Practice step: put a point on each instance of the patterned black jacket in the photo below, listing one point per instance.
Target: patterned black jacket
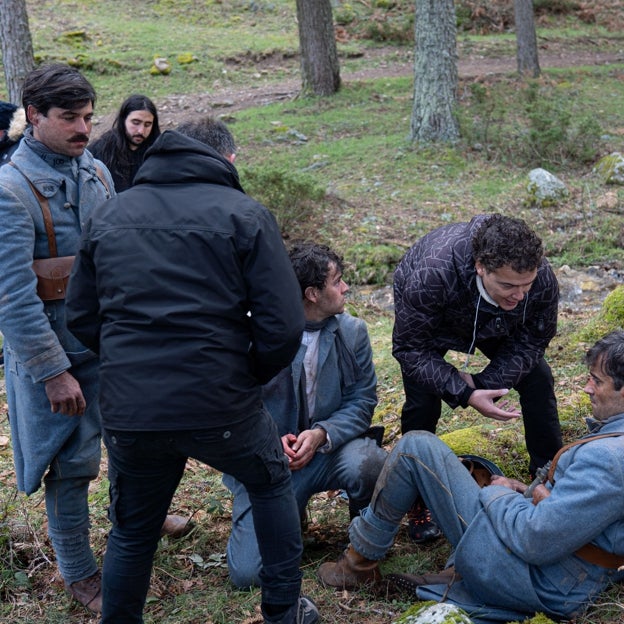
(436, 300)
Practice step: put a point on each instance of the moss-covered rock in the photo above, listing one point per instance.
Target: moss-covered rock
(611, 168)
(186, 58)
(503, 445)
(540, 618)
(609, 318)
(161, 66)
(445, 613)
(545, 189)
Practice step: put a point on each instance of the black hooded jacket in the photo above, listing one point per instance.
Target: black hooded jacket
(183, 285)
(438, 308)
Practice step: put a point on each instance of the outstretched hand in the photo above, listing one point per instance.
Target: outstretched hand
(483, 402)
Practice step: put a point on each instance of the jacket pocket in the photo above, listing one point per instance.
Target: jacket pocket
(76, 352)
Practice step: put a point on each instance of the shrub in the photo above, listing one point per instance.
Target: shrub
(385, 27)
(555, 136)
(371, 263)
(545, 129)
(290, 196)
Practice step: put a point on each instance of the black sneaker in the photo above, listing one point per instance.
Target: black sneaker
(302, 612)
(420, 526)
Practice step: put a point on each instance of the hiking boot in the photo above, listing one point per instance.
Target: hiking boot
(304, 611)
(420, 526)
(350, 571)
(176, 526)
(88, 592)
(410, 582)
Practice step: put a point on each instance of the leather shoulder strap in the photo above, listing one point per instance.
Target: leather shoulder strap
(563, 449)
(100, 175)
(47, 215)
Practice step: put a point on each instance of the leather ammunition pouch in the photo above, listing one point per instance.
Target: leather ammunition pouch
(52, 276)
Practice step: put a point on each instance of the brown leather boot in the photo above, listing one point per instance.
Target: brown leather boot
(88, 592)
(350, 571)
(176, 526)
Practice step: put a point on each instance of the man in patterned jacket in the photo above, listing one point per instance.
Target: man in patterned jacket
(483, 284)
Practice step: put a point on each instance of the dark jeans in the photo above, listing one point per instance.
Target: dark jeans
(144, 469)
(542, 432)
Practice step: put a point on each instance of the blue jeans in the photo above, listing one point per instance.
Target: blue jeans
(421, 464)
(145, 468)
(354, 467)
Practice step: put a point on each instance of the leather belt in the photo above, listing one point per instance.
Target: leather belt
(598, 556)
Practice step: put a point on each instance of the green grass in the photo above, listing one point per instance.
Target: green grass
(121, 40)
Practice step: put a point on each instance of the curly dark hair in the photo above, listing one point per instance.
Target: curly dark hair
(311, 262)
(505, 241)
(608, 354)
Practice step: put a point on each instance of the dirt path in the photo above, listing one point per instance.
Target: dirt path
(383, 63)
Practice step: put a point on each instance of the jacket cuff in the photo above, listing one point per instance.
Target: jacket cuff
(464, 397)
(48, 364)
(327, 447)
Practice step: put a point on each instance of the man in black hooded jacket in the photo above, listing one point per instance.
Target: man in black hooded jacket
(184, 287)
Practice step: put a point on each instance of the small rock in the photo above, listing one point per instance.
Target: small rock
(608, 201)
(545, 189)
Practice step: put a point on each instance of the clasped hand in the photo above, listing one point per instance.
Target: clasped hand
(301, 449)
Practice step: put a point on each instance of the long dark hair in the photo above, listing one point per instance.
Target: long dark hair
(112, 146)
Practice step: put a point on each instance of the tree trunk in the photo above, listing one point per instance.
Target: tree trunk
(526, 39)
(320, 69)
(17, 51)
(435, 72)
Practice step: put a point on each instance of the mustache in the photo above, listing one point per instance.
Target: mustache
(79, 138)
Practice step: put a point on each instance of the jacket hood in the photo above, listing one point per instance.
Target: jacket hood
(176, 158)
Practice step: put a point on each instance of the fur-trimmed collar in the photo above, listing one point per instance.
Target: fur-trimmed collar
(18, 125)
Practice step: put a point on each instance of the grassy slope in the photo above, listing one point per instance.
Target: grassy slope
(383, 190)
